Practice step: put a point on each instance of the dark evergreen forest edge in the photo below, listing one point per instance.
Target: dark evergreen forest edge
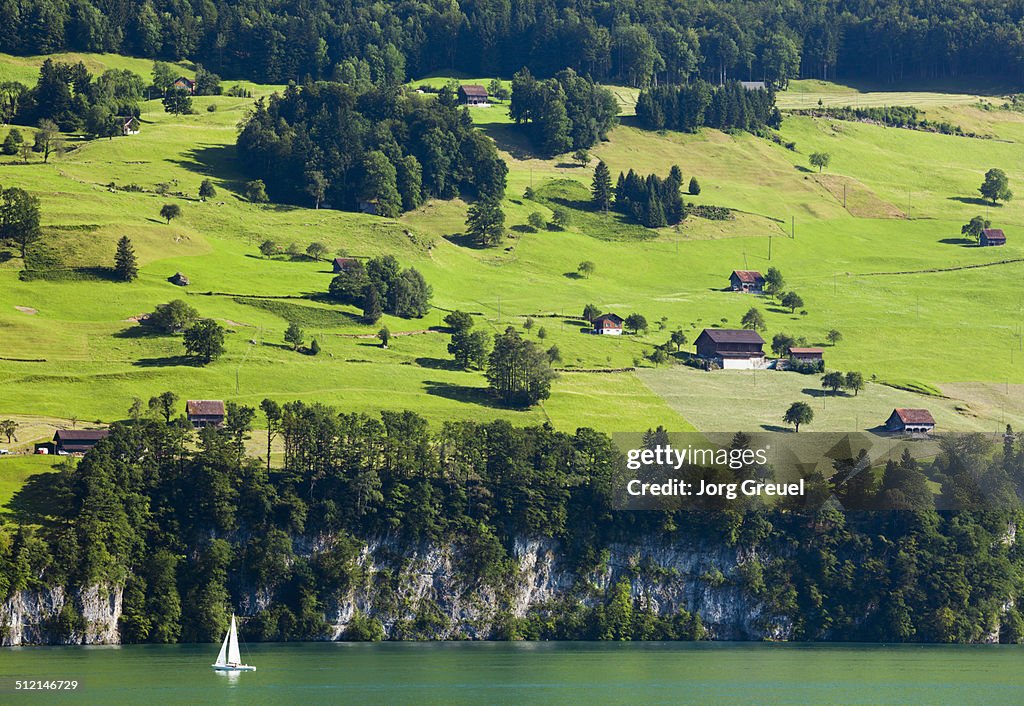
(626, 42)
(191, 526)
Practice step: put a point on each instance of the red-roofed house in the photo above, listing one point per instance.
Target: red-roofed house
(913, 421)
(205, 413)
(746, 281)
(992, 236)
(185, 84)
(608, 325)
(345, 264)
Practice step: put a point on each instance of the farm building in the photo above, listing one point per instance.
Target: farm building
(128, 125)
(473, 94)
(746, 281)
(754, 85)
(992, 237)
(344, 264)
(205, 413)
(76, 441)
(731, 349)
(184, 83)
(608, 325)
(807, 355)
(914, 421)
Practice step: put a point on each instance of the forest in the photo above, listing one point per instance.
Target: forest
(726, 107)
(189, 523)
(379, 151)
(633, 43)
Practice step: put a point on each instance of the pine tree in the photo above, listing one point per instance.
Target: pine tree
(602, 187)
(371, 306)
(125, 265)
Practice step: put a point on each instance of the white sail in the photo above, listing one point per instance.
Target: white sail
(222, 655)
(232, 642)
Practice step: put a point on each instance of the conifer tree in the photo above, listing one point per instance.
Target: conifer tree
(125, 264)
(601, 190)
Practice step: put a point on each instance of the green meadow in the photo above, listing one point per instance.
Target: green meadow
(918, 307)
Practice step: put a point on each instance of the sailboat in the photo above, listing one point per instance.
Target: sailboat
(229, 660)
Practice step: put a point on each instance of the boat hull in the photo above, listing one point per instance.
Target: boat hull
(233, 668)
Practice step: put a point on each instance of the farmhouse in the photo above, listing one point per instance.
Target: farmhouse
(753, 85)
(473, 94)
(807, 355)
(992, 237)
(184, 83)
(746, 281)
(128, 124)
(205, 413)
(77, 441)
(731, 349)
(914, 421)
(345, 264)
(608, 325)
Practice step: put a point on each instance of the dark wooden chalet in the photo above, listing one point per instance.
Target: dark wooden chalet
(914, 421)
(345, 264)
(205, 413)
(731, 348)
(77, 441)
(746, 281)
(472, 94)
(992, 237)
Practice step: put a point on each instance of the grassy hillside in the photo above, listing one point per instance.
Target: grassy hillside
(907, 195)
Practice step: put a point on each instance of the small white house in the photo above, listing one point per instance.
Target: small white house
(608, 325)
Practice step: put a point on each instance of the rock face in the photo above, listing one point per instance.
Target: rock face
(672, 578)
(700, 579)
(86, 616)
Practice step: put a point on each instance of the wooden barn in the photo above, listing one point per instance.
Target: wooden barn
(77, 441)
(807, 355)
(345, 264)
(608, 325)
(205, 413)
(746, 281)
(911, 421)
(992, 237)
(473, 94)
(731, 349)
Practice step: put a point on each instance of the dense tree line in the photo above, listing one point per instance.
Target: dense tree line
(563, 113)
(379, 150)
(192, 527)
(635, 43)
(72, 99)
(726, 107)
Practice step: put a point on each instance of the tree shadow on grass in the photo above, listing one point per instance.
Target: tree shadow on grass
(437, 363)
(822, 392)
(965, 242)
(139, 331)
(776, 427)
(462, 393)
(805, 170)
(212, 160)
(523, 229)
(572, 275)
(35, 500)
(972, 201)
(167, 362)
(464, 240)
(512, 139)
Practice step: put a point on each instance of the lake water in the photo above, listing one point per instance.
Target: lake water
(496, 673)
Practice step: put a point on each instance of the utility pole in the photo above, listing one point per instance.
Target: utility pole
(769, 248)
(844, 195)
(792, 228)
